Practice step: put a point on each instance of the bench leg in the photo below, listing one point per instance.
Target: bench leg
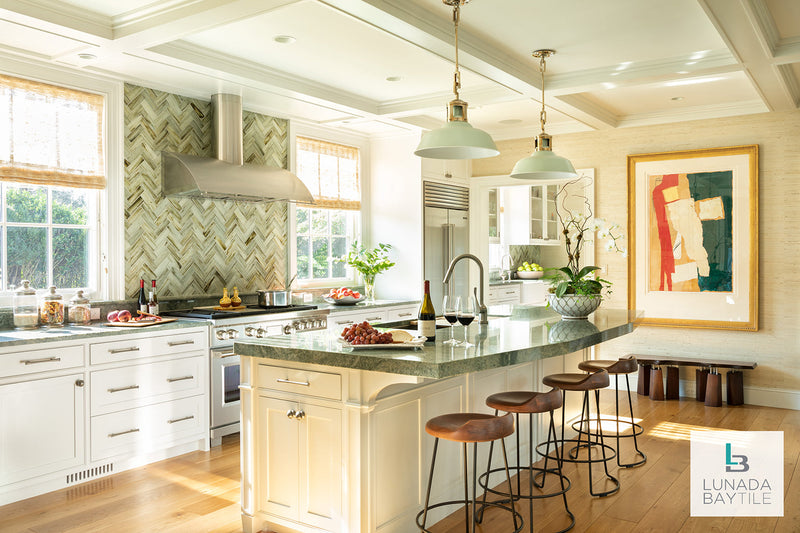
(714, 390)
(673, 383)
(735, 387)
(700, 377)
(643, 388)
(656, 384)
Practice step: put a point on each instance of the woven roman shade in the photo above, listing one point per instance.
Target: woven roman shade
(50, 135)
(330, 171)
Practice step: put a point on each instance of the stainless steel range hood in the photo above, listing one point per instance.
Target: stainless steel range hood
(226, 177)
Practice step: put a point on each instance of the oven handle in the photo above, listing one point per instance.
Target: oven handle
(223, 355)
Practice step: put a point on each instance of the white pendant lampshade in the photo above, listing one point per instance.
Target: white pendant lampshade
(457, 139)
(543, 164)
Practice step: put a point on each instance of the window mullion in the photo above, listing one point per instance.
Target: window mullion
(50, 277)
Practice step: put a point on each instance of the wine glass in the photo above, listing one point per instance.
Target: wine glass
(467, 310)
(450, 312)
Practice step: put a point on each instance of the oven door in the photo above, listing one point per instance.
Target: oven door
(225, 411)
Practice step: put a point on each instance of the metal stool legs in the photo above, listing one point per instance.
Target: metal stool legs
(471, 518)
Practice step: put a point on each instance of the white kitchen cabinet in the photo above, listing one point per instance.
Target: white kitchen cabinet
(340, 320)
(446, 170)
(494, 216)
(507, 294)
(529, 215)
(533, 292)
(301, 450)
(41, 427)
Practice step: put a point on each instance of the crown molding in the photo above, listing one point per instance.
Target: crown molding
(693, 113)
(58, 16)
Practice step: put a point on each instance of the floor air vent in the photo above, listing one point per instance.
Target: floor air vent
(89, 473)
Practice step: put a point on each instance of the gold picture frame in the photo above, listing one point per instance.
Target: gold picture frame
(693, 238)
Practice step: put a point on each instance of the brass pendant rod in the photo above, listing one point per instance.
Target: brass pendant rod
(457, 74)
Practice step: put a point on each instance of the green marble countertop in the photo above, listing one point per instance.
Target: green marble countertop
(10, 338)
(514, 335)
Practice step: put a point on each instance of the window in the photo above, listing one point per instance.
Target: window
(51, 172)
(325, 231)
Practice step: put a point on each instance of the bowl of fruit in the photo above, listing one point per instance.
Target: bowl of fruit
(530, 271)
(343, 296)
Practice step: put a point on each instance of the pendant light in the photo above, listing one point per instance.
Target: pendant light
(457, 139)
(543, 164)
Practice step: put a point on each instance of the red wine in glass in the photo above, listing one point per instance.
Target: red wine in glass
(465, 320)
(451, 318)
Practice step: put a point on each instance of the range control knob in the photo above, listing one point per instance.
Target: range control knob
(250, 331)
(232, 333)
(261, 332)
(288, 329)
(220, 334)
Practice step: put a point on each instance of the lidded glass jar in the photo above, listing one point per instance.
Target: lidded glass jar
(26, 307)
(80, 310)
(51, 311)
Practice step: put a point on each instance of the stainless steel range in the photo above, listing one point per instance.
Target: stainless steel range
(226, 327)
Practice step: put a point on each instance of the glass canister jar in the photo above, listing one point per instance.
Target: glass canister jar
(26, 307)
(51, 310)
(80, 310)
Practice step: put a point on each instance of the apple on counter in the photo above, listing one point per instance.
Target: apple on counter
(343, 292)
(529, 267)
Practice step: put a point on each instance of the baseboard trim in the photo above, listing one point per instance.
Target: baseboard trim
(780, 398)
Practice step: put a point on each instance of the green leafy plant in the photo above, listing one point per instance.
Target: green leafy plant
(369, 262)
(572, 279)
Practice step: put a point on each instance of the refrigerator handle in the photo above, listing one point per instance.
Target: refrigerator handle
(448, 231)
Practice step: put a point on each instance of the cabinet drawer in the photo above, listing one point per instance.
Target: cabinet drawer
(31, 361)
(305, 382)
(338, 321)
(396, 314)
(503, 295)
(128, 387)
(149, 428)
(139, 348)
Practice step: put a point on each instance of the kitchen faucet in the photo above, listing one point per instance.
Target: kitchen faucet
(483, 311)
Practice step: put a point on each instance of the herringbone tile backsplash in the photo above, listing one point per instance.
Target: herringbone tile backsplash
(194, 246)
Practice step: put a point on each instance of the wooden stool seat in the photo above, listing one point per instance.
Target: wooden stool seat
(525, 401)
(470, 427)
(580, 382)
(625, 365)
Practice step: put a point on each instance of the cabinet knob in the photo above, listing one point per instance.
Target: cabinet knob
(79, 383)
(291, 413)
(299, 415)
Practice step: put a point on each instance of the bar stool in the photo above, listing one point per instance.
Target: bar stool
(625, 365)
(521, 402)
(469, 428)
(585, 383)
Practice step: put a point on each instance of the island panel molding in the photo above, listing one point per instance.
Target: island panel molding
(197, 246)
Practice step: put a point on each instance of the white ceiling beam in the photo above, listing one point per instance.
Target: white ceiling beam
(748, 30)
(57, 17)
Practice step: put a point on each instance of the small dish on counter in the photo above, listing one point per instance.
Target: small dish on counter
(344, 300)
(530, 274)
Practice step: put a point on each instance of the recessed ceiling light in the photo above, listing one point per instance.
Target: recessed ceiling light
(284, 39)
(511, 121)
(87, 57)
(393, 78)
(676, 98)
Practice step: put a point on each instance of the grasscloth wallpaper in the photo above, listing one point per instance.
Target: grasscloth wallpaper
(777, 343)
(193, 246)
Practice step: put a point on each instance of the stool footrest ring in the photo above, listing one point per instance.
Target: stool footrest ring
(482, 480)
(462, 503)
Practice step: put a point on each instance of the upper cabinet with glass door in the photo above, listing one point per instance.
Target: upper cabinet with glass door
(543, 219)
(494, 216)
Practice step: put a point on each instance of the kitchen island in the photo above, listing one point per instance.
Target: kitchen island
(333, 437)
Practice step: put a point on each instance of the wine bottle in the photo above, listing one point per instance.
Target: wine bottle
(152, 302)
(426, 319)
(143, 307)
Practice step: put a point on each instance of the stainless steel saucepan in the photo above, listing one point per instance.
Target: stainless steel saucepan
(274, 298)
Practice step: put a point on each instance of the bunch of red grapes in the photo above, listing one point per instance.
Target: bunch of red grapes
(363, 333)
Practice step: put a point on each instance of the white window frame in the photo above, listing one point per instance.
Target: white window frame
(302, 129)
(110, 228)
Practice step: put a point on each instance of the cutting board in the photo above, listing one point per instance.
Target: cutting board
(140, 324)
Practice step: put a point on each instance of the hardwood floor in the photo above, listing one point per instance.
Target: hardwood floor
(199, 491)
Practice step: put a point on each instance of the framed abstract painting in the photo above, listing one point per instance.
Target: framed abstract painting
(693, 238)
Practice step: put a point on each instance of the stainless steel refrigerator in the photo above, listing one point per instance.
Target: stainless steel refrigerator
(446, 219)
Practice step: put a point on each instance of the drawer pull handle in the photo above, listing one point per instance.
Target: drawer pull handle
(112, 435)
(123, 350)
(406, 314)
(340, 322)
(180, 419)
(303, 383)
(129, 387)
(180, 343)
(232, 354)
(42, 360)
(184, 378)
(373, 318)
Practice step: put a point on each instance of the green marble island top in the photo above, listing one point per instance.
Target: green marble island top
(514, 335)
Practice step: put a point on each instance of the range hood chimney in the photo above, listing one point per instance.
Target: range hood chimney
(226, 177)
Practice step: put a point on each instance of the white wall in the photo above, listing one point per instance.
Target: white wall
(396, 214)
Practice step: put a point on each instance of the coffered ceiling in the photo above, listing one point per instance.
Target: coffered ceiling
(381, 67)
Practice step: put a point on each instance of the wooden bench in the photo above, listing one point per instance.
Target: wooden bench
(708, 380)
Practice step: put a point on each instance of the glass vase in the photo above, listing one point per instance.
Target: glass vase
(369, 287)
